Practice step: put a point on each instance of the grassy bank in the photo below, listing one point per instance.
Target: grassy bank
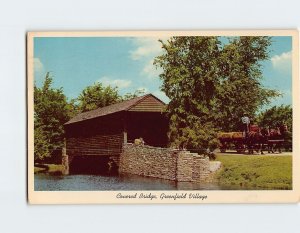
(48, 168)
(255, 171)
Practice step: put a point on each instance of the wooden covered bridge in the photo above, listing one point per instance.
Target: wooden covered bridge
(94, 139)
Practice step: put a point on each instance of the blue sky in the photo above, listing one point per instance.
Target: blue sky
(126, 62)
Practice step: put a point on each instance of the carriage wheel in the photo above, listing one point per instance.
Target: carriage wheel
(240, 151)
(223, 147)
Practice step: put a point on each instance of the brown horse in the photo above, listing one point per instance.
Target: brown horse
(255, 140)
(278, 138)
(264, 138)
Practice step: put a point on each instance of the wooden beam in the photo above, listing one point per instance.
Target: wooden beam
(124, 128)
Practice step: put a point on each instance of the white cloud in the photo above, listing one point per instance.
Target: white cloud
(146, 46)
(150, 70)
(282, 62)
(38, 65)
(120, 83)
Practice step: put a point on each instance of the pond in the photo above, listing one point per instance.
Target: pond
(46, 182)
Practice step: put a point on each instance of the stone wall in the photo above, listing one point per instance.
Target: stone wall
(148, 161)
(192, 167)
(163, 163)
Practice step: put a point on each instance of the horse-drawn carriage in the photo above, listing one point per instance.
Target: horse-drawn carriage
(257, 139)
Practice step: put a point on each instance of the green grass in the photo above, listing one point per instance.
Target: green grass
(39, 169)
(49, 168)
(255, 171)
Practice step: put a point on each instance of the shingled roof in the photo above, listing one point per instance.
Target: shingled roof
(114, 108)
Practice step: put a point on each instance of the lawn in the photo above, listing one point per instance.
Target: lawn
(48, 168)
(255, 171)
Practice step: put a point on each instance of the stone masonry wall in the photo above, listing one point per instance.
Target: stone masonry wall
(200, 168)
(163, 163)
(148, 161)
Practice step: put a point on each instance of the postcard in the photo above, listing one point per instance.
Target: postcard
(163, 117)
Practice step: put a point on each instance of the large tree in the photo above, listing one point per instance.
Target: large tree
(210, 84)
(190, 80)
(241, 89)
(51, 111)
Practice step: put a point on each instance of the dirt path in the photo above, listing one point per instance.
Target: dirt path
(256, 154)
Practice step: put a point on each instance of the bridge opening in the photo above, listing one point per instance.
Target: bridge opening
(97, 165)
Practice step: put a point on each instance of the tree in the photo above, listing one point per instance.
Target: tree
(96, 96)
(210, 84)
(190, 80)
(51, 111)
(276, 116)
(240, 75)
(137, 93)
(41, 145)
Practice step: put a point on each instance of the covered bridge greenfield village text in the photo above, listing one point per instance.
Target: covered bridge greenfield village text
(95, 139)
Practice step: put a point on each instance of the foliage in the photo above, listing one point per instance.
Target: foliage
(41, 145)
(137, 93)
(260, 172)
(276, 116)
(210, 85)
(241, 90)
(51, 111)
(190, 81)
(97, 96)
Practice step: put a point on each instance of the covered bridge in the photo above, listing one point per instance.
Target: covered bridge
(97, 136)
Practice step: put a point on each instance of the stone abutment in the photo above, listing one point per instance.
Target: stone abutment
(164, 163)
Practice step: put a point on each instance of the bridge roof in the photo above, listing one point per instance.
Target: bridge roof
(145, 103)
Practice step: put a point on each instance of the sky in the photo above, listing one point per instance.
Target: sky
(127, 62)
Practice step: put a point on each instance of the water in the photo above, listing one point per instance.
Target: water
(46, 182)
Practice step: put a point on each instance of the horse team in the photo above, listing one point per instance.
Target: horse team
(258, 140)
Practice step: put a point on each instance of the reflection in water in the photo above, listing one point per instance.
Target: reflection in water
(45, 182)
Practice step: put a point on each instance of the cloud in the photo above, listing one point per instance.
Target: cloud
(150, 70)
(120, 83)
(38, 65)
(282, 62)
(145, 47)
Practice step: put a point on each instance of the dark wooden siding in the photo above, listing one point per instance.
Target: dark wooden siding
(148, 104)
(100, 136)
(98, 145)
